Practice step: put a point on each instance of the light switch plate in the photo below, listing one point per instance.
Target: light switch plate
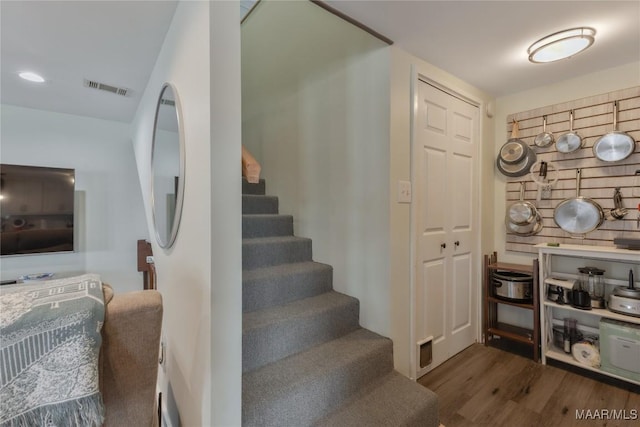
(404, 192)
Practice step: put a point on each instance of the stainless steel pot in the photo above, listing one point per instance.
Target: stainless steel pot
(525, 230)
(522, 212)
(512, 285)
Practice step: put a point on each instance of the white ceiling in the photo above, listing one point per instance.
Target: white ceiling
(113, 42)
(117, 43)
(485, 42)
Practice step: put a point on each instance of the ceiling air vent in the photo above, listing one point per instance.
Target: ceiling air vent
(107, 88)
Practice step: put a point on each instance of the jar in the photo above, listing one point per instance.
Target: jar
(592, 281)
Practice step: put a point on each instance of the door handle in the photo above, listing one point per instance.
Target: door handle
(443, 245)
(457, 243)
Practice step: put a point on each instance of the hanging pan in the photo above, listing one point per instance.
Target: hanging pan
(518, 169)
(614, 146)
(515, 157)
(545, 138)
(521, 212)
(514, 150)
(580, 215)
(570, 141)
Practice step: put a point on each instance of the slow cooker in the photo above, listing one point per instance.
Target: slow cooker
(512, 286)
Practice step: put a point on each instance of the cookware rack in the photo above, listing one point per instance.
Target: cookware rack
(492, 327)
(592, 119)
(552, 313)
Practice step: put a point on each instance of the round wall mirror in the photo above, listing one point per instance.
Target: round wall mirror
(167, 166)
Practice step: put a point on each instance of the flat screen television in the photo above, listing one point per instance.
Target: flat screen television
(36, 209)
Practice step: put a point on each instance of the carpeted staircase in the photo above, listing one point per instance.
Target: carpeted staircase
(305, 358)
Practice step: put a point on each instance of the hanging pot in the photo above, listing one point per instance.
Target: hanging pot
(545, 138)
(525, 230)
(580, 215)
(570, 141)
(614, 146)
(521, 212)
(514, 150)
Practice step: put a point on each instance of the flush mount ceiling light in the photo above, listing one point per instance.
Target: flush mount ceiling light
(32, 77)
(561, 45)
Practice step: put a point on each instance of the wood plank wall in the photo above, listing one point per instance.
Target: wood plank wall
(593, 117)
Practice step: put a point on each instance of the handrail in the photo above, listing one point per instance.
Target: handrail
(250, 167)
(246, 15)
(337, 13)
(352, 21)
(146, 265)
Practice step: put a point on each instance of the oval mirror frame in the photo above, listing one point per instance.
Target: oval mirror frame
(167, 159)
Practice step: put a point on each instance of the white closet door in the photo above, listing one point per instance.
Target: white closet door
(445, 147)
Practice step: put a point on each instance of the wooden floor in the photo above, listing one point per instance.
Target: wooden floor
(485, 386)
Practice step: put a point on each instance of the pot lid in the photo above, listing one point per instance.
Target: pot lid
(512, 275)
(623, 291)
(592, 271)
(513, 151)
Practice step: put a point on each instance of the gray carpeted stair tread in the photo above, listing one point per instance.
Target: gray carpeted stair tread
(281, 284)
(278, 332)
(305, 358)
(390, 401)
(266, 225)
(256, 204)
(253, 188)
(267, 251)
(300, 389)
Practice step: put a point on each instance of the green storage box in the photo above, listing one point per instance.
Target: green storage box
(620, 348)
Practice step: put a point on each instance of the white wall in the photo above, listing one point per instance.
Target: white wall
(400, 169)
(315, 115)
(110, 215)
(200, 276)
(580, 87)
(226, 215)
(332, 131)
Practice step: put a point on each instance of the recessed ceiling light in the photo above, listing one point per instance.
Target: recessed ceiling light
(32, 77)
(561, 45)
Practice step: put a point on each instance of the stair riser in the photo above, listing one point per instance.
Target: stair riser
(258, 294)
(266, 226)
(258, 254)
(305, 403)
(283, 339)
(258, 188)
(252, 204)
